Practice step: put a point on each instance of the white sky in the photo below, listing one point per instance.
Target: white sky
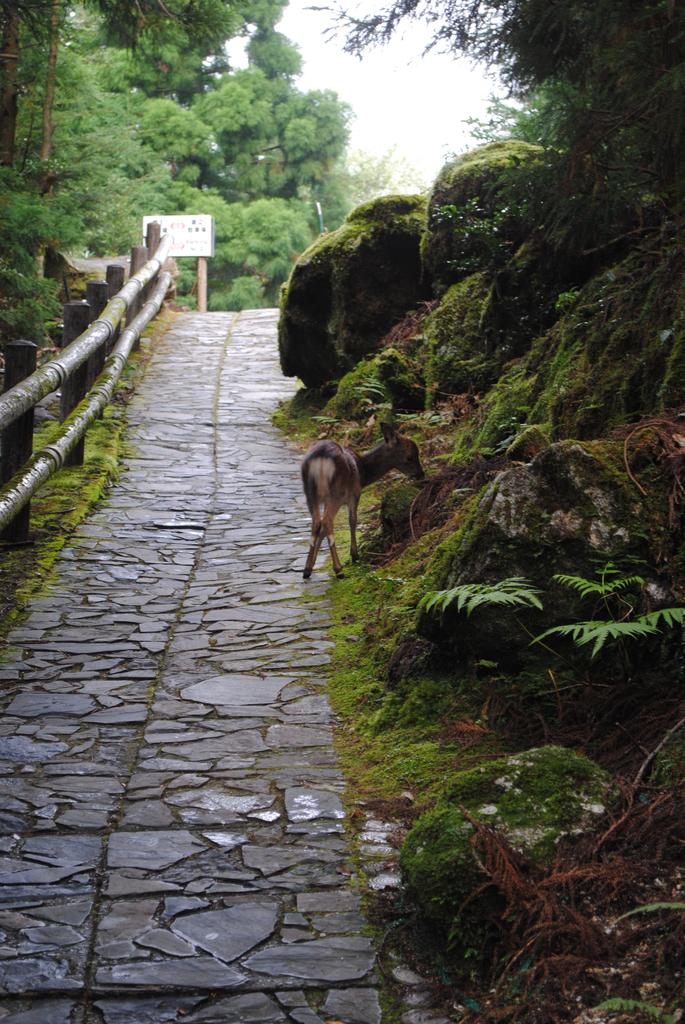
(400, 98)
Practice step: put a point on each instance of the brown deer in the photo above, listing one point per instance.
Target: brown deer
(333, 476)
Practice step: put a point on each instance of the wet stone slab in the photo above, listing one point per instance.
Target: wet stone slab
(171, 827)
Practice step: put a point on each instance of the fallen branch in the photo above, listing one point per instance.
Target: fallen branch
(650, 757)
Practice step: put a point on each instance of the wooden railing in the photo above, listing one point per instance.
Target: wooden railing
(87, 371)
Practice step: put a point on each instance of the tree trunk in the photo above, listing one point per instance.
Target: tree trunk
(49, 99)
(9, 56)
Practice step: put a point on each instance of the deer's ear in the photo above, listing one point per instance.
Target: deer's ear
(389, 432)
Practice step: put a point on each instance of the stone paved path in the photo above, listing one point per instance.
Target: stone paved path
(171, 843)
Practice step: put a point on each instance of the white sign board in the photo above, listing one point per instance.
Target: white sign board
(193, 233)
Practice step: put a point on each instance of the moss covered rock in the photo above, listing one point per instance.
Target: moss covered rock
(459, 359)
(396, 505)
(387, 379)
(357, 392)
(532, 799)
(349, 288)
(492, 317)
(403, 379)
(528, 443)
(477, 213)
(616, 352)
(567, 511)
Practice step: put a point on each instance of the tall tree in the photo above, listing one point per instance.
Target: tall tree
(9, 63)
(51, 75)
(618, 67)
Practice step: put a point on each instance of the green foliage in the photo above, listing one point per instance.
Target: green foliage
(142, 24)
(609, 581)
(482, 206)
(636, 1006)
(246, 292)
(598, 632)
(371, 391)
(611, 584)
(26, 224)
(484, 229)
(517, 592)
(613, 76)
(651, 908)
(174, 132)
(150, 118)
(514, 592)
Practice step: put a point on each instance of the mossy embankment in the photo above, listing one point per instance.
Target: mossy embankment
(64, 501)
(544, 385)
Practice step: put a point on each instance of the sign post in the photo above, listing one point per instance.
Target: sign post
(193, 236)
(201, 284)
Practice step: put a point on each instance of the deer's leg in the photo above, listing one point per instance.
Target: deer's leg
(352, 511)
(317, 537)
(328, 519)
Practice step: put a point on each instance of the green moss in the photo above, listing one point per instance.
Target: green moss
(388, 380)
(349, 288)
(537, 795)
(532, 798)
(615, 353)
(297, 416)
(458, 357)
(439, 868)
(503, 412)
(618, 353)
(403, 380)
(476, 213)
(396, 505)
(529, 442)
(393, 736)
(357, 392)
(387, 209)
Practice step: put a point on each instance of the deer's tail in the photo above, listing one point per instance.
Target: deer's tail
(317, 474)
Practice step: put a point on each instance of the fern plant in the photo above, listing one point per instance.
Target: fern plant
(513, 592)
(612, 590)
(371, 391)
(651, 908)
(637, 1006)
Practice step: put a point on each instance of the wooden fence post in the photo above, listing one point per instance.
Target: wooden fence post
(153, 236)
(76, 319)
(139, 258)
(96, 297)
(17, 439)
(115, 282)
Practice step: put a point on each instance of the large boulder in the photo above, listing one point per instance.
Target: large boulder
(349, 288)
(493, 316)
(479, 211)
(531, 799)
(570, 510)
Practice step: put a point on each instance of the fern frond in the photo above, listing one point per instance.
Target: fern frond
(669, 616)
(515, 592)
(633, 1005)
(597, 632)
(371, 388)
(598, 588)
(650, 908)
